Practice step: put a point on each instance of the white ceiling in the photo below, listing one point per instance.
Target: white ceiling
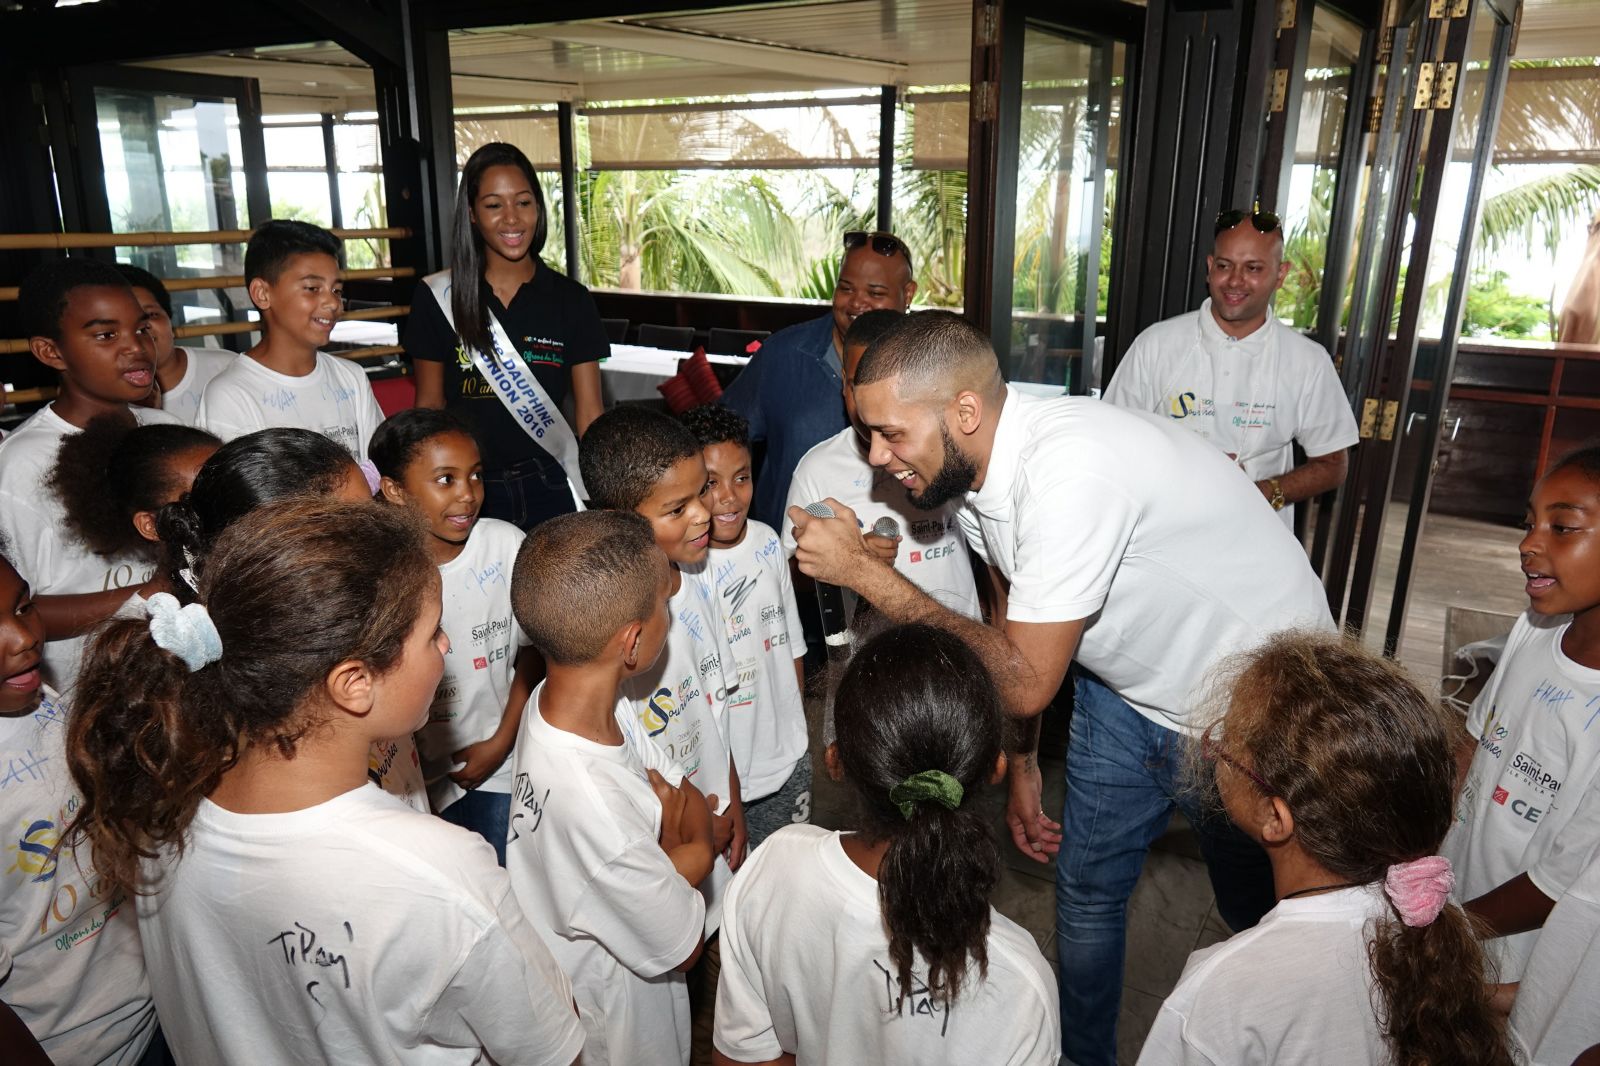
(789, 48)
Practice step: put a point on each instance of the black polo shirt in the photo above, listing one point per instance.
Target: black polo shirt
(554, 324)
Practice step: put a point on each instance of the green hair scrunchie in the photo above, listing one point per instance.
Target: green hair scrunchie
(933, 785)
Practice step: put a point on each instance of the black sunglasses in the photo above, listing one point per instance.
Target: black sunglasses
(1263, 221)
(883, 243)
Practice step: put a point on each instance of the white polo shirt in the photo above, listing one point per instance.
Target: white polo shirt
(1122, 518)
(1252, 397)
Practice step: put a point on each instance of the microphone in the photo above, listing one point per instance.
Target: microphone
(830, 600)
(886, 527)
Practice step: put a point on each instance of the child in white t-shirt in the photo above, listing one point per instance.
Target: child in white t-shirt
(83, 321)
(1554, 1019)
(1342, 769)
(114, 478)
(766, 713)
(880, 945)
(635, 459)
(70, 966)
(430, 464)
(308, 916)
(182, 374)
(248, 473)
(291, 270)
(930, 549)
(1523, 833)
(607, 838)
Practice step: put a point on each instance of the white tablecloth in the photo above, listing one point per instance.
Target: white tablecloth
(633, 372)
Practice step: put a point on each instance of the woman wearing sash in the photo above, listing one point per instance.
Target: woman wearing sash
(506, 350)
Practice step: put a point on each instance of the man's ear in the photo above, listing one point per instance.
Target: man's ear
(145, 523)
(830, 760)
(350, 687)
(47, 351)
(969, 412)
(1283, 272)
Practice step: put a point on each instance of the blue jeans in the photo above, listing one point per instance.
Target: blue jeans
(526, 493)
(1124, 776)
(486, 813)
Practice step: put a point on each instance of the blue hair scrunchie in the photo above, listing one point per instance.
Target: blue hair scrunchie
(186, 632)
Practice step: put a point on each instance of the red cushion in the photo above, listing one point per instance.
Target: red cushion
(707, 389)
(678, 393)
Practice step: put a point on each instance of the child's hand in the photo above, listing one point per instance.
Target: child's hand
(481, 761)
(721, 826)
(673, 801)
(885, 548)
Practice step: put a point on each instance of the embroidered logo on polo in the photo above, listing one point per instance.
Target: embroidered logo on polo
(544, 351)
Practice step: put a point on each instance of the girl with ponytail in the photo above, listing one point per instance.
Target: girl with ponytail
(288, 909)
(880, 945)
(1345, 773)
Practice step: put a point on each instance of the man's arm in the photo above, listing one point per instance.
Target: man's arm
(1318, 474)
(1027, 660)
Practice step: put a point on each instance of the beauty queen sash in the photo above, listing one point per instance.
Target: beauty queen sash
(517, 388)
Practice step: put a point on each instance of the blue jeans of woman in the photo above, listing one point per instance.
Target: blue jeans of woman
(526, 493)
(1124, 776)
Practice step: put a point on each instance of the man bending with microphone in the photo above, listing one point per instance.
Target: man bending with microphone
(1131, 547)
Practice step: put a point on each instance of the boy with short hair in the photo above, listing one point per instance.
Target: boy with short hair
(292, 272)
(766, 713)
(182, 374)
(82, 320)
(607, 838)
(932, 552)
(635, 459)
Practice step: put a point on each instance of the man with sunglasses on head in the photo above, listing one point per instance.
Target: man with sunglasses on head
(1246, 382)
(791, 391)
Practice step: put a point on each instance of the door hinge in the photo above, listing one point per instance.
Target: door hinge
(1391, 415)
(1375, 113)
(1286, 14)
(1444, 91)
(1424, 97)
(1280, 90)
(1460, 9)
(1369, 418)
(985, 101)
(989, 25)
(1438, 9)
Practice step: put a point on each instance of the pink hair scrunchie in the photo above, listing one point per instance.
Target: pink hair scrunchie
(369, 470)
(1419, 889)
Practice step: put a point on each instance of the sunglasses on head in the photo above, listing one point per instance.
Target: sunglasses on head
(1263, 221)
(883, 243)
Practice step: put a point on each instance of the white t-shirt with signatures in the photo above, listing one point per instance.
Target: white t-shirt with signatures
(77, 978)
(354, 931)
(335, 399)
(585, 860)
(682, 702)
(484, 640)
(1528, 804)
(766, 712)
(806, 970)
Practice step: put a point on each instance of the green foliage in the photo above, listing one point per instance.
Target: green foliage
(1493, 310)
(1305, 247)
(1547, 207)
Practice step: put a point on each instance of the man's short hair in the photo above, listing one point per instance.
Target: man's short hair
(581, 577)
(627, 450)
(280, 240)
(42, 298)
(871, 325)
(141, 278)
(712, 423)
(937, 350)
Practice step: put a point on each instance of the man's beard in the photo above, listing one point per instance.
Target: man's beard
(955, 477)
